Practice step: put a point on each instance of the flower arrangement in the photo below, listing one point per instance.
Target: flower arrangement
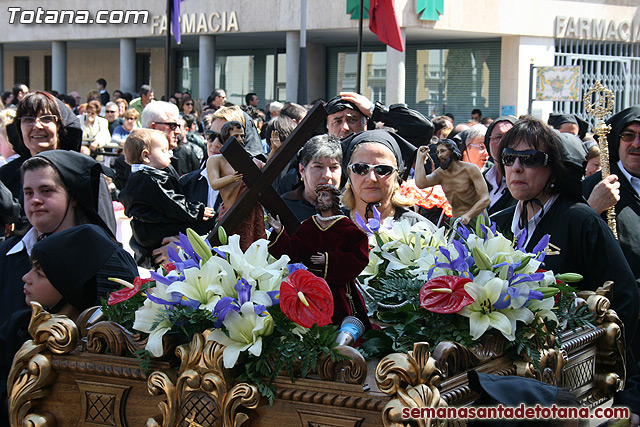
(433, 289)
(272, 314)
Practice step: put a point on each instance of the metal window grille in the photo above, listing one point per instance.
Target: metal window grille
(615, 65)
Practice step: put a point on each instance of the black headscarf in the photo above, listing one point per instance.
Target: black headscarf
(81, 175)
(403, 151)
(487, 136)
(557, 120)
(618, 122)
(72, 258)
(337, 104)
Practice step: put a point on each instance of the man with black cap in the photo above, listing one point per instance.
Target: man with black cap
(622, 189)
(348, 113)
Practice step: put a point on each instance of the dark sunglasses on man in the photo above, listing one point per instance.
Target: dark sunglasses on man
(528, 158)
(364, 168)
(172, 125)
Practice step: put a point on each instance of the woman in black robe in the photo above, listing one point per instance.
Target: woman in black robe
(75, 180)
(544, 174)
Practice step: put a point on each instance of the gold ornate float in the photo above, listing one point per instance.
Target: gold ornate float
(78, 375)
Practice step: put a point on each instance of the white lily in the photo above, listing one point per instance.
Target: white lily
(246, 330)
(150, 319)
(543, 308)
(481, 313)
(196, 285)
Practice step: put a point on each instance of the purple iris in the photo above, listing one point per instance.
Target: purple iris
(186, 246)
(227, 304)
(539, 249)
(176, 299)
(460, 264)
(180, 265)
(463, 231)
(221, 254)
(521, 240)
(295, 267)
(505, 298)
(372, 225)
(166, 280)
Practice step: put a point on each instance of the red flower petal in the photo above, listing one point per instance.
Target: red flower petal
(316, 292)
(126, 293)
(451, 300)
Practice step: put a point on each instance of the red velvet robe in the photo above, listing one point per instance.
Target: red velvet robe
(346, 249)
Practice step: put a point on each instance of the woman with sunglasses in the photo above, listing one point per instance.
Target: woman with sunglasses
(186, 105)
(544, 174)
(373, 162)
(121, 133)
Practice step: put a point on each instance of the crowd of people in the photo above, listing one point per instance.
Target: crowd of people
(67, 163)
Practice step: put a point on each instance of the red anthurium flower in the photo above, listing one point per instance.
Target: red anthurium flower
(128, 291)
(306, 299)
(445, 294)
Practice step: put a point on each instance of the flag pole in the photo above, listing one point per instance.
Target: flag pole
(168, 51)
(359, 62)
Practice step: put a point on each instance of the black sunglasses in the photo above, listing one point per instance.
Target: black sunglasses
(211, 135)
(528, 158)
(364, 168)
(172, 126)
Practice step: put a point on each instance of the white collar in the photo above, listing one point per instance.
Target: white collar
(533, 222)
(26, 243)
(634, 181)
(139, 166)
(12, 157)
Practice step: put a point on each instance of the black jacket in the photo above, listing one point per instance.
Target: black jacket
(410, 124)
(159, 209)
(189, 157)
(587, 247)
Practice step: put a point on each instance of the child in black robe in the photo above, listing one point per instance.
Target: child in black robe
(69, 274)
(154, 197)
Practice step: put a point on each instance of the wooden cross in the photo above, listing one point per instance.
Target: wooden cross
(259, 188)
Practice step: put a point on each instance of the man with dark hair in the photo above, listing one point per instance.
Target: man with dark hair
(216, 100)
(146, 96)
(462, 182)
(101, 85)
(476, 115)
(19, 90)
(251, 99)
(331, 246)
(294, 111)
(348, 113)
(191, 123)
(442, 127)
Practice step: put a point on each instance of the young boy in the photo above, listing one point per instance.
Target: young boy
(70, 272)
(153, 197)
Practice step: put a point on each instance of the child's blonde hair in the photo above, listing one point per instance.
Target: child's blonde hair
(138, 141)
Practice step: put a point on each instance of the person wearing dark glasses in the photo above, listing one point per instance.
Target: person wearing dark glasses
(373, 163)
(461, 182)
(622, 189)
(544, 174)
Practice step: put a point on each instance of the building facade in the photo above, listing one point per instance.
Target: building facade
(459, 55)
